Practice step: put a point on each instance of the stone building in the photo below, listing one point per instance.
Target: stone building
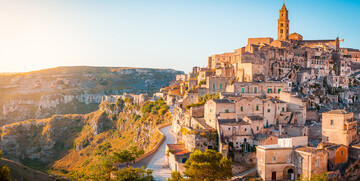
(218, 109)
(339, 127)
(275, 162)
(310, 161)
(235, 132)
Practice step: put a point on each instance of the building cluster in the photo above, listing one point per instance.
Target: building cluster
(288, 107)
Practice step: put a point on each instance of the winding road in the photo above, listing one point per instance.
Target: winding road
(157, 161)
(161, 171)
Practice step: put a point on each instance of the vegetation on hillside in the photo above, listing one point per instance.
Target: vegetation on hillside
(131, 133)
(203, 99)
(4, 172)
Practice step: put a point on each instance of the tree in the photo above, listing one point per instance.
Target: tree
(120, 104)
(133, 174)
(175, 176)
(208, 166)
(320, 177)
(4, 172)
(127, 155)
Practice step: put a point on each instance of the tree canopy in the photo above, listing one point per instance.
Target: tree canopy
(208, 166)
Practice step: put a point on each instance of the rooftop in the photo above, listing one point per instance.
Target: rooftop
(338, 111)
(275, 146)
(232, 122)
(223, 101)
(177, 149)
(255, 117)
(307, 149)
(274, 100)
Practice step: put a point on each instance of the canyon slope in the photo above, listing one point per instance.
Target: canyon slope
(72, 90)
(75, 145)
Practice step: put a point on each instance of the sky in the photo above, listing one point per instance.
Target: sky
(177, 34)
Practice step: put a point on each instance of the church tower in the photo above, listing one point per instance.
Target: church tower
(283, 24)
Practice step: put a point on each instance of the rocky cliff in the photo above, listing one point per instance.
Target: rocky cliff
(70, 144)
(72, 90)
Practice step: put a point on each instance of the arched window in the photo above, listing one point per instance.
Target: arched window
(281, 30)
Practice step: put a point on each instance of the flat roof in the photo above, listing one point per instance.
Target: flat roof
(275, 146)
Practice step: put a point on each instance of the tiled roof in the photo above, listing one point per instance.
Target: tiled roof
(178, 149)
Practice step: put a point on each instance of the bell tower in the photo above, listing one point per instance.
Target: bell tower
(283, 24)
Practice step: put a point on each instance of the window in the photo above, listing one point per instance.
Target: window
(257, 128)
(229, 128)
(210, 110)
(220, 86)
(283, 109)
(331, 122)
(342, 152)
(242, 90)
(268, 110)
(274, 158)
(281, 30)
(213, 86)
(244, 139)
(245, 129)
(300, 159)
(257, 108)
(277, 121)
(269, 90)
(241, 108)
(226, 110)
(288, 158)
(281, 24)
(255, 89)
(279, 90)
(317, 163)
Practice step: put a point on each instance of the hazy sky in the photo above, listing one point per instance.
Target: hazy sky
(176, 34)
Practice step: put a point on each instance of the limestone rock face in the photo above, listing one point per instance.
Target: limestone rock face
(39, 139)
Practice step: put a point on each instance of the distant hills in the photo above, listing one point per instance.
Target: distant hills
(72, 90)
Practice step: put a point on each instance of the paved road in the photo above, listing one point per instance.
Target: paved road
(160, 170)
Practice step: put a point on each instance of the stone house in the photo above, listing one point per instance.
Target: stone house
(276, 162)
(337, 154)
(217, 84)
(339, 127)
(176, 156)
(235, 132)
(310, 161)
(256, 122)
(218, 109)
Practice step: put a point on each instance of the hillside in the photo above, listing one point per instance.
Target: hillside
(72, 90)
(24, 173)
(73, 145)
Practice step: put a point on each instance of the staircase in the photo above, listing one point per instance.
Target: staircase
(243, 174)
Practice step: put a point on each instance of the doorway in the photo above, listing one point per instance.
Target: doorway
(291, 174)
(273, 176)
